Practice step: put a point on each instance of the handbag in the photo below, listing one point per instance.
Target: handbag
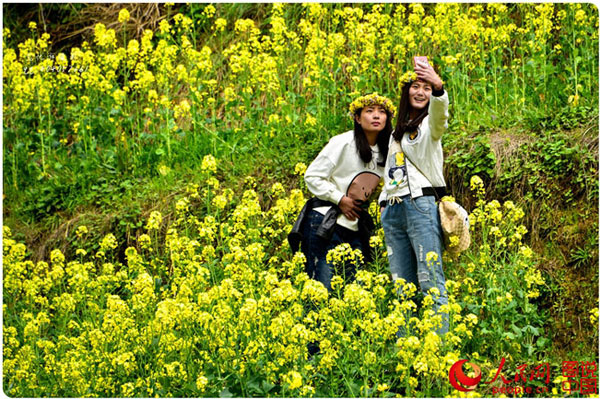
(454, 220)
(455, 226)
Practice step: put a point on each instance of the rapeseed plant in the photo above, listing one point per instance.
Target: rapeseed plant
(213, 303)
(229, 297)
(322, 45)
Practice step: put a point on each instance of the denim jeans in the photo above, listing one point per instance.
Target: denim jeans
(412, 229)
(315, 249)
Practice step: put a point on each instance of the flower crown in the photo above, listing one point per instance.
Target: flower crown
(406, 77)
(369, 100)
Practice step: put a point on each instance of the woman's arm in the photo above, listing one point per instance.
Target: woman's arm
(438, 115)
(317, 181)
(438, 103)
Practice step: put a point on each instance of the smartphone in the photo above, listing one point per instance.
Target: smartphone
(422, 59)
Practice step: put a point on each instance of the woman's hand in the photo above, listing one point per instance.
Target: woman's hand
(349, 207)
(426, 73)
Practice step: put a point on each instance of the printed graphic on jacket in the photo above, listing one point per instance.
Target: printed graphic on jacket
(363, 187)
(397, 173)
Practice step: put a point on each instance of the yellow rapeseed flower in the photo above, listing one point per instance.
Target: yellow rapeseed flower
(594, 317)
(81, 231)
(209, 163)
(108, 242)
(220, 24)
(123, 15)
(310, 120)
(293, 379)
(201, 383)
(154, 220)
(476, 183)
(209, 11)
(300, 168)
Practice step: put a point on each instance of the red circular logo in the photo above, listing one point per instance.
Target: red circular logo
(459, 379)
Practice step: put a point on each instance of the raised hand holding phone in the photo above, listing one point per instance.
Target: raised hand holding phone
(426, 72)
(421, 60)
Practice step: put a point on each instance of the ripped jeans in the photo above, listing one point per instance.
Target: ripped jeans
(412, 229)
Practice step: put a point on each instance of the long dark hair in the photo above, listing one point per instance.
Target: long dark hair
(402, 123)
(383, 140)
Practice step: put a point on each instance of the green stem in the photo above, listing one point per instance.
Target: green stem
(346, 380)
(168, 129)
(42, 137)
(495, 83)
(574, 60)
(545, 62)
(522, 75)
(14, 156)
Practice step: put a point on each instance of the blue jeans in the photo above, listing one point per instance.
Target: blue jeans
(315, 249)
(412, 229)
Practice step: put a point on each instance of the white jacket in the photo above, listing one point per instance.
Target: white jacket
(338, 170)
(425, 150)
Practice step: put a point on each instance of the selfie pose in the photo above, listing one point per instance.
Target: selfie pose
(413, 180)
(343, 178)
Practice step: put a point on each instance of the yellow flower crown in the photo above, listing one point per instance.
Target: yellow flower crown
(407, 77)
(369, 100)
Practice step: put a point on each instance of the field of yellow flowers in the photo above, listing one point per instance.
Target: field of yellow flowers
(218, 306)
(153, 101)
(203, 297)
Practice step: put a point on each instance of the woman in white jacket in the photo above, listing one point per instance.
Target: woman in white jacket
(413, 178)
(342, 178)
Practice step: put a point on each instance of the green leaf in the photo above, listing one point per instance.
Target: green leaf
(530, 349)
(542, 342)
(267, 386)
(517, 330)
(532, 330)
(253, 386)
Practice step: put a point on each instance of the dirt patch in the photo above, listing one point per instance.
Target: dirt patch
(505, 145)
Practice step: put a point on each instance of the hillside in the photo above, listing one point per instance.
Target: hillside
(153, 166)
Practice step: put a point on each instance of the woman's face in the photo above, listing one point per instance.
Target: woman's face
(419, 94)
(372, 118)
